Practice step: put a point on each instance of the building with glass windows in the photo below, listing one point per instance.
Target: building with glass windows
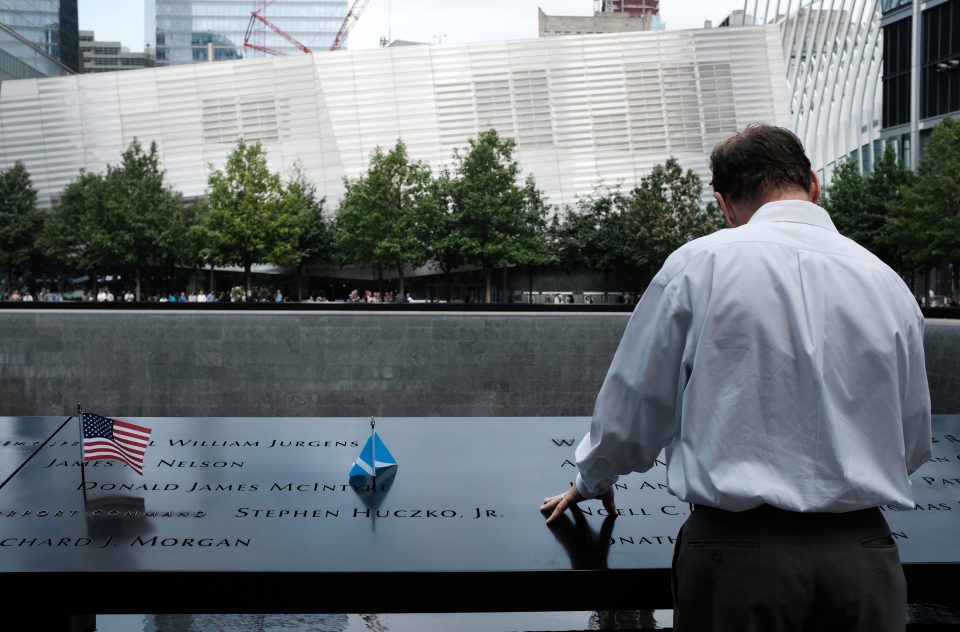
(926, 37)
(98, 56)
(38, 38)
(181, 31)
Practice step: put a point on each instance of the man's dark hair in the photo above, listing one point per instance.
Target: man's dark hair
(759, 160)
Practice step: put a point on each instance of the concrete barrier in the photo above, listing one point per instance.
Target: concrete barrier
(274, 363)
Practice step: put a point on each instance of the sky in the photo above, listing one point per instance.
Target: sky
(429, 21)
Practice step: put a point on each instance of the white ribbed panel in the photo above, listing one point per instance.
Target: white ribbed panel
(584, 109)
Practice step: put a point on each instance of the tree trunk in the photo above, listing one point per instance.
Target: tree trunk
(9, 279)
(380, 282)
(400, 275)
(606, 276)
(300, 281)
(213, 284)
(504, 298)
(246, 276)
(137, 275)
(954, 278)
(530, 282)
(487, 274)
(449, 277)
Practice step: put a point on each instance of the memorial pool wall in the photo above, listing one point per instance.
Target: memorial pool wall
(279, 363)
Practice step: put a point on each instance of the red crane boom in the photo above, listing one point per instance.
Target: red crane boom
(348, 22)
(256, 16)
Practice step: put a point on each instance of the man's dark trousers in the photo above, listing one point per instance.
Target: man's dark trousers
(769, 570)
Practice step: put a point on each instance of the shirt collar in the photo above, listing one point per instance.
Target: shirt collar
(798, 211)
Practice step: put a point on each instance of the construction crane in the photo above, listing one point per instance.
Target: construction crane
(348, 22)
(257, 16)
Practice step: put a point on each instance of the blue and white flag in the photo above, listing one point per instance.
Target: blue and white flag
(365, 466)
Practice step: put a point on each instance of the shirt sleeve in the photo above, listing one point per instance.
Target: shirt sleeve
(915, 402)
(635, 412)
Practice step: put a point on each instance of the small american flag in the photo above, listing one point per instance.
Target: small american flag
(113, 439)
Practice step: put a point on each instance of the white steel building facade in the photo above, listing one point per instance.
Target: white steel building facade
(584, 110)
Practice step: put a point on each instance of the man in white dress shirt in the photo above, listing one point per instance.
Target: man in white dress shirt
(780, 366)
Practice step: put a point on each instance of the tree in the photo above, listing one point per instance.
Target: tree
(863, 208)
(316, 238)
(531, 242)
(73, 232)
(666, 211)
(591, 235)
(443, 230)
(886, 188)
(177, 242)
(139, 209)
(20, 221)
(925, 224)
(127, 217)
(500, 222)
(245, 221)
(383, 216)
(846, 201)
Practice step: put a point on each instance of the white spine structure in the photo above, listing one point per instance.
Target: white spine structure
(833, 50)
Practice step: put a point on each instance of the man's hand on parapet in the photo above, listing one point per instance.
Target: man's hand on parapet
(556, 505)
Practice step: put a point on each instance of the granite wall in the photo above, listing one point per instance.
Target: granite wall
(301, 363)
(331, 364)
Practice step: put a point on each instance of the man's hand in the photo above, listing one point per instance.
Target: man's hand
(556, 505)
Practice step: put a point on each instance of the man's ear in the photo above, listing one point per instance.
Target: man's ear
(729, 213)
(815, 189)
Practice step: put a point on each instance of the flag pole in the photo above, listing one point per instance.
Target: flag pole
(83, 477)
(373, 445)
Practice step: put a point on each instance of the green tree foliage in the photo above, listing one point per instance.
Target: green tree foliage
(443, 230)
(846, 200)
(532, 241)
(139, 209)
(592, 235)
(666, 211)
(20, 221)
(862, 208)
(926, 224)
(500, 222)
(886, 190)
(73, 232)
(316, 237)
(245, 220)
(176, 243)
(384, 216)
(125, 218)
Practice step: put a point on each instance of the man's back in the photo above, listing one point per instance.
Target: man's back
(782, 368)
(798, 361)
